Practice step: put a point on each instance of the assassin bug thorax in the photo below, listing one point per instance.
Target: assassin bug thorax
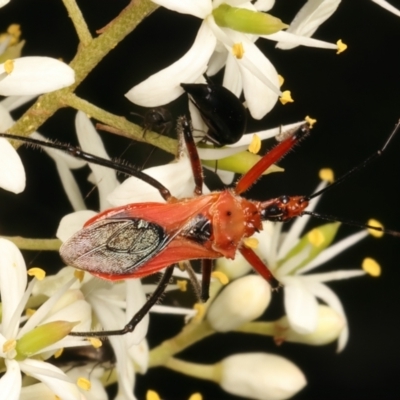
(139, 239)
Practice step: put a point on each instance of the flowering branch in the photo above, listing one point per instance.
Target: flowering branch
(90, 53)
(79, 22)
(34, 244)
(122, 125)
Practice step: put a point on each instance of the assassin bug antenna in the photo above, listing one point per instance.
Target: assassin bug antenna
(140, 239)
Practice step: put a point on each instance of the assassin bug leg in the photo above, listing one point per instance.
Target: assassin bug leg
(130, 326)
(140, 239)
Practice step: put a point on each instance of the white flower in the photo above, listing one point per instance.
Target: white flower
(309, 18)
(291, 266)
(19, 342)
(34, 76)
(261, 376)
(242, 301)
(212, 48)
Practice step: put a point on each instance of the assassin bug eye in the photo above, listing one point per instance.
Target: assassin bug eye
(222, 112)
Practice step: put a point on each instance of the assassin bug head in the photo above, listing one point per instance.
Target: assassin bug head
(222, 112)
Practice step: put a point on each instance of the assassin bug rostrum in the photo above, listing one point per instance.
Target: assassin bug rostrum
(139, 239)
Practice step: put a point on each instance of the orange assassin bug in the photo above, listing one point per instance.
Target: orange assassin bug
(140, 239)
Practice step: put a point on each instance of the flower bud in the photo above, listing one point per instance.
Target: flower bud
(242, 301)
(261, 376)
(247, 21)
(42, 336)
(329, 326)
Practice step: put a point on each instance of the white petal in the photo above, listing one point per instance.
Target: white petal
(72, 223)
(176, 176)
(329, 297)
(387, 6)
(112, 317)
(300, 305)
(264, 5)
(332, 251)
(93, 374)
(217, 61)
(13, 278)
(11, 103)
(57, 155)
(10, 382)
(164, 86)
(90, 141)
(4, 2)
(70, 186)
(53, 377)
(310, 17)
(12, 173)
(197, 8)
(35, 75)
(135, 299)
(139, 353)
(289, 40)
(6, 121)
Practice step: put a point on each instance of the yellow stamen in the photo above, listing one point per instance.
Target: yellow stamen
(152, 395)
(238, 50)
(58, 353)
(15, 32)
(95, 342)
(373, 232)
(196, 396)
(281, 80)
(182, 285)
(9, 66)
(78, 274)
(286, 97)
(200, 312)
(84, 383)
(310, 121)
(255, 145)
(38, 273)
(371, 267)
(223, 278)
(29, 312)
(251, 243)
(316, 237)
(9, 345)
(326, 174)
(341, 46)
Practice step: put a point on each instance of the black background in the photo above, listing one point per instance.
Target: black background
(354, 96)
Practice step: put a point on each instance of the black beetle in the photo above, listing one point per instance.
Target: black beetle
(222, 112)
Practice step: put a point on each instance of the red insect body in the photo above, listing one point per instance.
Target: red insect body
(137, 240)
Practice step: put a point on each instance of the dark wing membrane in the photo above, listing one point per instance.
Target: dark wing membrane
(114, 246)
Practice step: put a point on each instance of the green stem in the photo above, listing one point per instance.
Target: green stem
(190, 334)
(123, 126)
(259, 328)
(194, 370)
(34, 244)
(79, 22)
(87, 57)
